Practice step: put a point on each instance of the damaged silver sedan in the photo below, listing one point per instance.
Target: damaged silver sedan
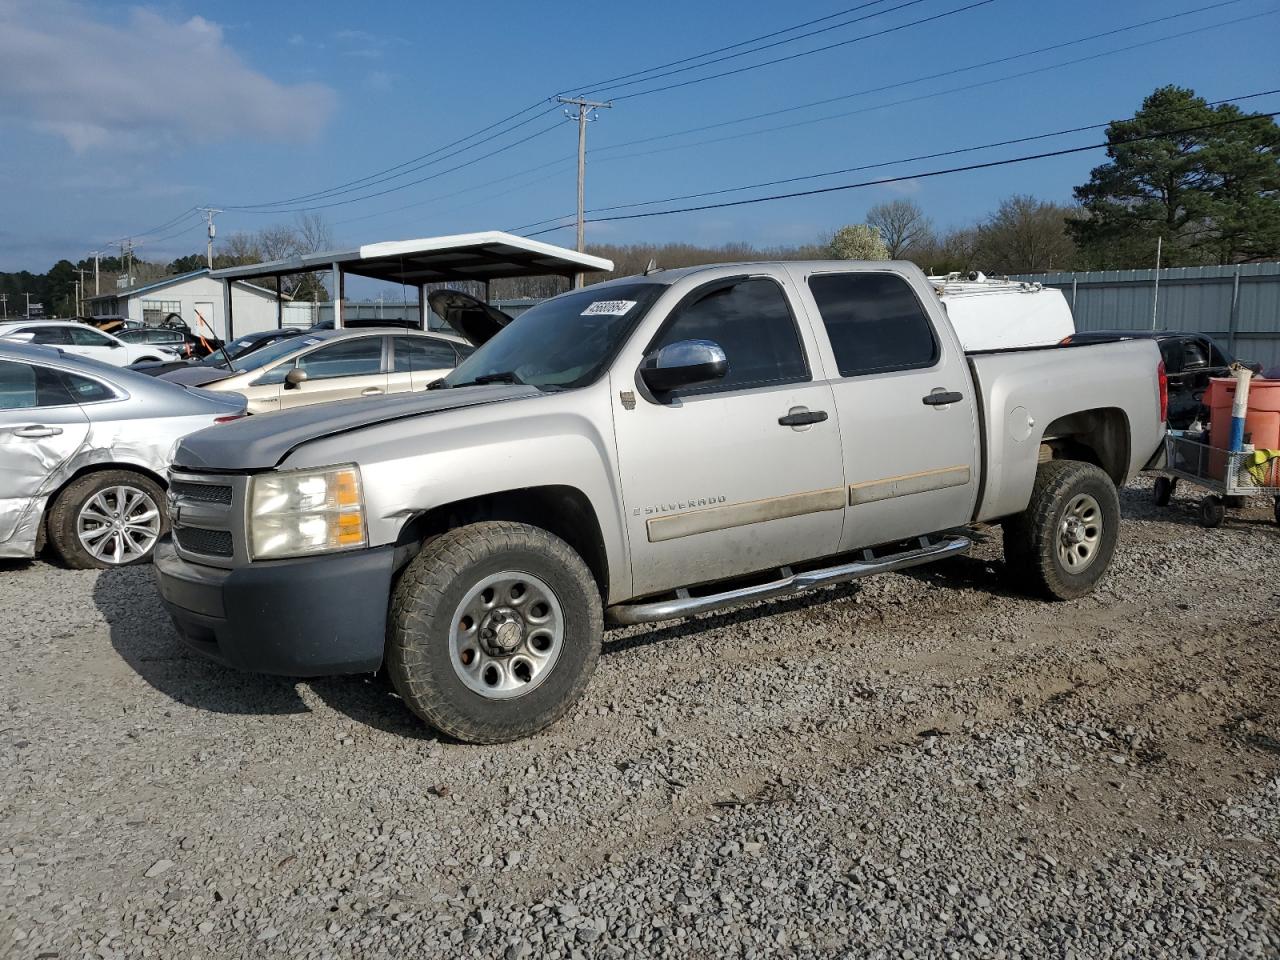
(84, 452)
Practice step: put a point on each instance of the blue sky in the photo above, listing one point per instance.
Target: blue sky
(116, 118)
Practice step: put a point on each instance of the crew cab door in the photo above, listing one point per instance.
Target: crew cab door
(904, 401)
(41, 425)
(715, 480)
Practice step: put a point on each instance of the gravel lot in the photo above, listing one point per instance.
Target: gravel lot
(919, 766)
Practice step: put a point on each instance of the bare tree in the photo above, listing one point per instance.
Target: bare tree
(1026, 235)
(902, 225)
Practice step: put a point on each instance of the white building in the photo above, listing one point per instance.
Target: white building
(189, 294)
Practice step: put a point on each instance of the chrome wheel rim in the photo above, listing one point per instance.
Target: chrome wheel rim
(118, 525)
(506, 635)
(1080, 533)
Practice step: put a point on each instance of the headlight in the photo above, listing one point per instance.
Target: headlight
(301, 512)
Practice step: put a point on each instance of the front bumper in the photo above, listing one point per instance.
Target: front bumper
(307, 617)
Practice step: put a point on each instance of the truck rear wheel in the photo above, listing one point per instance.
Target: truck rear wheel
(495, 630)
(1062, 544)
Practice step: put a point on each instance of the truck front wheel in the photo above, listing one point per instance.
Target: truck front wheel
(495, 630)
(1062, 544)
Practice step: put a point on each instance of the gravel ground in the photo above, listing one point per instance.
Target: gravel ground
(917, 766)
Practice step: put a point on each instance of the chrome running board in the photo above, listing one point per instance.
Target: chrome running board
(683, 605)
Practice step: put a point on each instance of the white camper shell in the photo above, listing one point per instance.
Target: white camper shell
(991, 314)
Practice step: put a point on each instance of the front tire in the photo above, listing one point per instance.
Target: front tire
(495, 630)
(1061, 545)
(111, 518)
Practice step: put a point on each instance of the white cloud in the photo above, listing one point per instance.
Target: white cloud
(95, 83)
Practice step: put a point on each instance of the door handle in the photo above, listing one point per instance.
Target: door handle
(36, 431)
(801, 418)
(940, 397)
(371, 391)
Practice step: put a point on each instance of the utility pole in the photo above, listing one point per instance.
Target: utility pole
(585, 107)
(1155, 295)
(79, 288)
(126, 257)
(28, 296)
(209, 213)
(4, 306)
(95, 254)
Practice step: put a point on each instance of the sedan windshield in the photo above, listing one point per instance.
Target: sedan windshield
(563, 342)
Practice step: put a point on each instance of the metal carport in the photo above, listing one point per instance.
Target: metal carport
(482, 257)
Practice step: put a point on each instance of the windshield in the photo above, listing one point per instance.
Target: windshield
(234, 349)
(270, 353)
(564, 342)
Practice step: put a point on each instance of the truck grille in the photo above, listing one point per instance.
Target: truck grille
(213, 543)
(202, 512)
(202, 492)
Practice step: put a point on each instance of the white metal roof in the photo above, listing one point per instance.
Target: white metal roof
(490, 255)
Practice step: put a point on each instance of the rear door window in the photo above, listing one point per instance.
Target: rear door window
(752, 322)
(56, 336)
(875, 323)
(422, 353)
(84, 337)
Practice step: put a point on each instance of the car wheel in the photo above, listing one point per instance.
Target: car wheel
(1163, 490)
(1062, 543)
(495, 630)
(111, 518)
(1212, 511)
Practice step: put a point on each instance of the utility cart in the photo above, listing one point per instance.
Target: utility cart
(1229, 477)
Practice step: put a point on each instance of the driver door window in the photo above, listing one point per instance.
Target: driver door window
(751, 321)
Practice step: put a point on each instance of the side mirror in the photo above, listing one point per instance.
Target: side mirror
(294, 379)
(685, 363)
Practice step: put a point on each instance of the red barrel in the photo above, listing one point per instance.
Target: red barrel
(1261, 422)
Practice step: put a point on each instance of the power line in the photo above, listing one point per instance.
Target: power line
(938, 93)
(808, 53)
(411, 183)
(946, 73)
(917, 176)
(412, 167)
(874, 166)
(602, 84)
(767, 46)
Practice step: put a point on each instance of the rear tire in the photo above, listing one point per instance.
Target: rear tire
(495, 630)
(1060, 546)
(84, 527)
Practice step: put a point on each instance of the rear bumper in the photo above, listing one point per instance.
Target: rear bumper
(308, 617)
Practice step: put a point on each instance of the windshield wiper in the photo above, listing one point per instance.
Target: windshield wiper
(505, 376)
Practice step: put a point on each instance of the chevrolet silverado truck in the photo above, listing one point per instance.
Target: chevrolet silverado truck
(637, 451)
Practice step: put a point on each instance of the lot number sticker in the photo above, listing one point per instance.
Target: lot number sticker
(608, 308)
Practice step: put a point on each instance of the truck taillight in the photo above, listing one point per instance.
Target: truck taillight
(1163, 379)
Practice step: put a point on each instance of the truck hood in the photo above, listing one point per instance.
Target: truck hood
(261, 442)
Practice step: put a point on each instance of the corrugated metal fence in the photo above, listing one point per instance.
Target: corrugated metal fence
(1238, 305)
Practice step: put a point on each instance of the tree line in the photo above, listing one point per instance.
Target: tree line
(1201, 180)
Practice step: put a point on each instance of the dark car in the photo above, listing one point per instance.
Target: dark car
(239, 347)
(1191, 360)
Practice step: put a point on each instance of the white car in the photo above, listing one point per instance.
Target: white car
(82, 340)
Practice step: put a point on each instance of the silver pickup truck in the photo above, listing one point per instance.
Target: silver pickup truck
(636, 451)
